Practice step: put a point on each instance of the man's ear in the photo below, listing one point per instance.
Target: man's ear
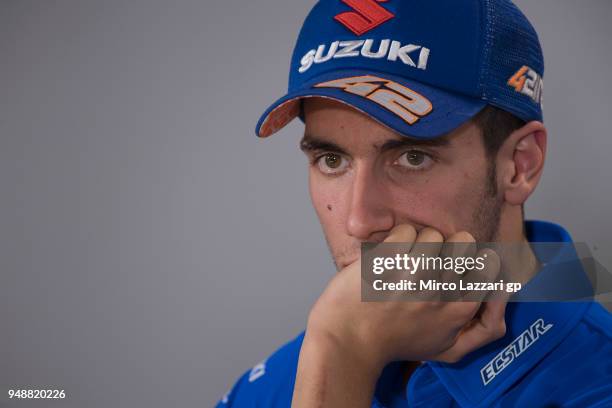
(520, 162)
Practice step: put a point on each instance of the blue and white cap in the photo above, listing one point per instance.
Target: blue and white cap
(421, 67)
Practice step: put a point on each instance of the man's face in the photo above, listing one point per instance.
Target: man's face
(365, 179)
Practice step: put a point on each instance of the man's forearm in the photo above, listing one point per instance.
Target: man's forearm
(329, 375)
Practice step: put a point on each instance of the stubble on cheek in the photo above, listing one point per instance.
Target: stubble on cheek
(485, 206)
(467, 202)
(343, 255)
(342, 248)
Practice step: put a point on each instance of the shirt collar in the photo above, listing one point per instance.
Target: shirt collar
(533, 329)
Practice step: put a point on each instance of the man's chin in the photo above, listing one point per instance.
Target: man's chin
(343, 264)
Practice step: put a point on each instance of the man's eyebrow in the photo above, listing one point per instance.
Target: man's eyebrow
(412, 142)
(310, 143)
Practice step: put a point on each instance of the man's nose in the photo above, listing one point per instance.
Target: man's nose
(370, 215)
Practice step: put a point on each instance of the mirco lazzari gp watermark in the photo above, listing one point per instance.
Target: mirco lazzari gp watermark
(479, 271)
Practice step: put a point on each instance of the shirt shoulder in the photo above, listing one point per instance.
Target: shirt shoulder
(270, 382)
(578, 372)
(599, 319)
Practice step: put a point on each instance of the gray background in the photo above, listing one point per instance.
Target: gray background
(151, 247)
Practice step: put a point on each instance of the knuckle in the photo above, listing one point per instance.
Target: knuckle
(402, 232)
(500, 330)
(431, 235)
(463, 236)
(451, 358)
(490, 254)
(467, 310)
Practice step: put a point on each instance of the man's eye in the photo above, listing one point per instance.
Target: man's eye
(414, 160)
(331, 163)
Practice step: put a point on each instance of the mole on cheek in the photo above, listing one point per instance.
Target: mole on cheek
(329, 207)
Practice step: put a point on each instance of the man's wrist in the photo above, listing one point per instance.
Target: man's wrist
(332, 374)
(352, 351)
(342, 340)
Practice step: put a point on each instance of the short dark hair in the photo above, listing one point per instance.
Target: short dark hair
(496, 126)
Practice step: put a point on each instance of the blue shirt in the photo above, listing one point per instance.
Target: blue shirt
(554, 354)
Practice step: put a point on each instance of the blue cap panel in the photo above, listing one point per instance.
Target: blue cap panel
(512, 47)
(462, 54)
(449, 31)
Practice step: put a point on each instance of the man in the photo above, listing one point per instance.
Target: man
(424, 125)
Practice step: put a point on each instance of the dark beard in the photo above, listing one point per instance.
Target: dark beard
(486, 217)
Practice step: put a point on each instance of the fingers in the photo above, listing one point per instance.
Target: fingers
(459, 247)
(462, 236)
(489, 326)
(488, 274)
(404, 236)
(428, 243)
(461, 244)
(404, 233)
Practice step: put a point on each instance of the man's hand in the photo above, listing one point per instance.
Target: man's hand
(348, 342)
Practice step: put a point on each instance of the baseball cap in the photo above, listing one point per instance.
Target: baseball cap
(420, 67)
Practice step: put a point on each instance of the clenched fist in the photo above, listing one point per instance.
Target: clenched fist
(348, 342)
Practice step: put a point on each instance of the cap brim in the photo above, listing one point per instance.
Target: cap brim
(447, 111)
